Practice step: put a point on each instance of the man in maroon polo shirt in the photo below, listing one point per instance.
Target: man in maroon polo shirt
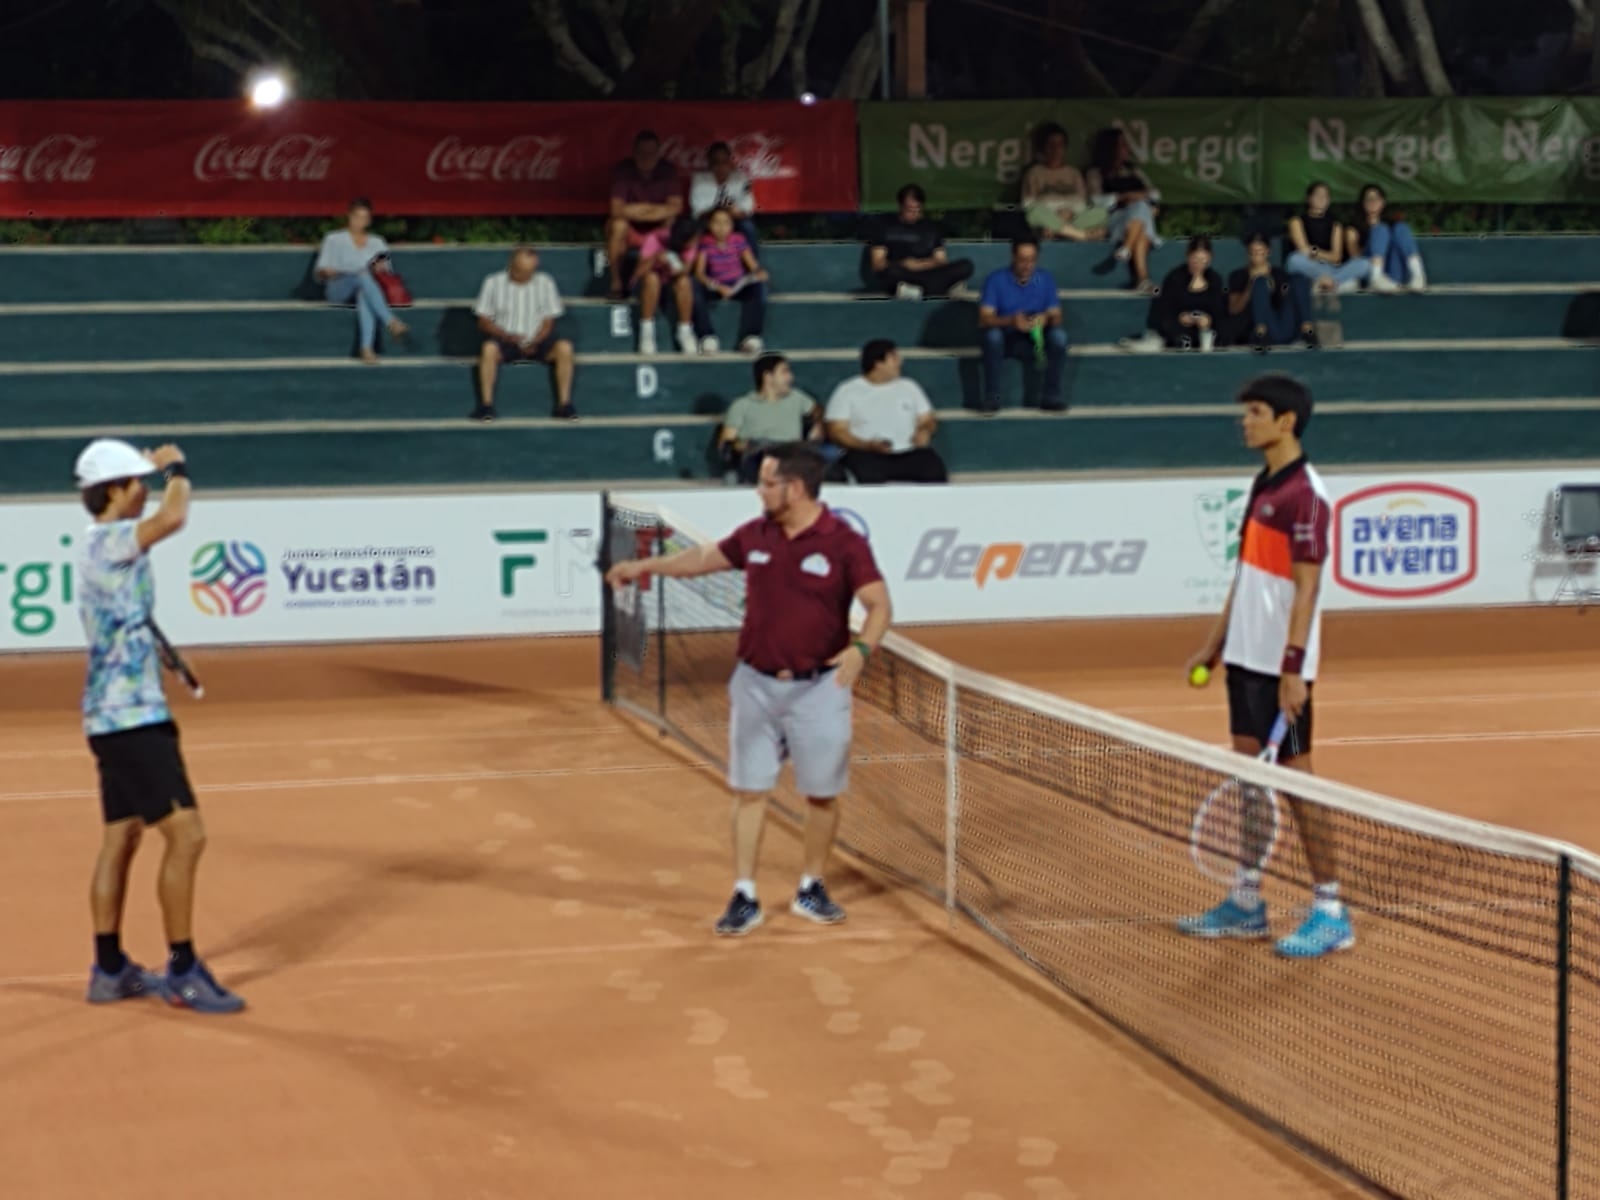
(790, 693)
(646, 195)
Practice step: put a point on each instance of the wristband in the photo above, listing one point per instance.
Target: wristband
(1294, 660)
(175, 470)
(866, 650)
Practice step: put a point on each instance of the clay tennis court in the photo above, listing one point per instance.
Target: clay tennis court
(470, 907)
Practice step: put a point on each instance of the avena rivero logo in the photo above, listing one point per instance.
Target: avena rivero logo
(228, 579)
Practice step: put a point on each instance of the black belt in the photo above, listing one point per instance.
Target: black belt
(796, 676)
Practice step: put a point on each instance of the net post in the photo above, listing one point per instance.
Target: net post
(661, 625)
(1563, 1026)
(952, 797)
(608, 628)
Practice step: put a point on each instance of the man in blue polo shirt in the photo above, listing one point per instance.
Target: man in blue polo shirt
(1019, 316)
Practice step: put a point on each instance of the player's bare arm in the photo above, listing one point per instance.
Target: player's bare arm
(852, 660)
(174, 511)
(1292, 684)
(686, 564)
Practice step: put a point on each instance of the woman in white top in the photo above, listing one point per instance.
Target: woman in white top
(346, 263)
(1055, 199)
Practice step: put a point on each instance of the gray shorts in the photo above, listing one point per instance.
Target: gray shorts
(807, 721)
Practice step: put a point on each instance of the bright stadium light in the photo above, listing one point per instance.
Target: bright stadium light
(808, 97)
(268, 90)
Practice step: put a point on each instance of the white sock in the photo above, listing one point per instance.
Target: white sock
(1247, 890)
(1325, 900)
(746, 888)
(807, 880)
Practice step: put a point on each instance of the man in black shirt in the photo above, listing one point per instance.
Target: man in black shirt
(907, 257)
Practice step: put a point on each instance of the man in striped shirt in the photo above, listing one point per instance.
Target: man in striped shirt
(1270, 637)
(517, 310)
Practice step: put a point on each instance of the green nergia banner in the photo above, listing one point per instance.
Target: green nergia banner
(972, 155)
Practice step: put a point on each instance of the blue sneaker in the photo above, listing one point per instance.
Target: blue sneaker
(196, 989)
(814, 904)
(742, 915)
(130, 983)
(1227, 920)
(1319, 934)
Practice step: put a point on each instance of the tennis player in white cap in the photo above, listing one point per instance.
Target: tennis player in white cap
(130, 729)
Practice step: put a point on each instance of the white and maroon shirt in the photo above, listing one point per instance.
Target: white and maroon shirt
(1286, 522)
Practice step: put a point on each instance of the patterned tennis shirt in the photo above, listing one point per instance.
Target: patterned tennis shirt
(116, 594)
(1286, 522)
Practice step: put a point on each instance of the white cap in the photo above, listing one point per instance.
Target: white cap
(106, 459)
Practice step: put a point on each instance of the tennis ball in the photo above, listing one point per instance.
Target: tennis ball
(1200, 676)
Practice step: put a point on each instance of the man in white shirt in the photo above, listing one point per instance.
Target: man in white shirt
(517, 310)
(722, 185)
(884, 422)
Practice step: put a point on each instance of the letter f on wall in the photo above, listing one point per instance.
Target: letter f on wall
(510, 564)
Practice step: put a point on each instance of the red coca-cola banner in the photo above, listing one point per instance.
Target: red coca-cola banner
(220, 158)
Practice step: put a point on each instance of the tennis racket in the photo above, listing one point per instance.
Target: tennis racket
(173, 661)
(1238, 824)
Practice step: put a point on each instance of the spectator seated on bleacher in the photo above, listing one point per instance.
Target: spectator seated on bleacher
(722, 185)
(884, 422)
(1315, 246)
(1055, 199)
(646, 197)
(906, 255)
(1190, 307)
(725, 268)
(775, 413)
(1387, 243)
(517, 310)
(1267, 306)
(666, 260)
(346, 266)
(1019, 316)
(1117, 185)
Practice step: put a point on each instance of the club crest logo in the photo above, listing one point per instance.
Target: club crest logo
(1219, 516)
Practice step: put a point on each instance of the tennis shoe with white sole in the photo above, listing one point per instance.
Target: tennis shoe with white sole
(1227, 920)
(741, 916)
(131, 983)
(1320, 933)
(198, 990)
(814, 904)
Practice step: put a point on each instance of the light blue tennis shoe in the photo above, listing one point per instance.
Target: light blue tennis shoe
(1227, 920)
(1319, 934)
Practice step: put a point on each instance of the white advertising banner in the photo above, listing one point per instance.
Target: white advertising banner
(333, 569)
(314, 570)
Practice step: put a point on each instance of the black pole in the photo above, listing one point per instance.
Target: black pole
(608, 627)
(1563, 1025)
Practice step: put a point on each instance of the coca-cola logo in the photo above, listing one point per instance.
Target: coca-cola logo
(757, 153)
(293, 158)
(57, 158)
(525, 159)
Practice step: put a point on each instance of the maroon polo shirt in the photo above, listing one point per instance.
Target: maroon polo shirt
(632, 186)
(798, 590)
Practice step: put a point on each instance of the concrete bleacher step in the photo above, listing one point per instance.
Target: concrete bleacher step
(79, 274)
(404, 388)
(373, 454)
(293, 330)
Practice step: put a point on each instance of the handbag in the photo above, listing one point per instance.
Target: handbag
(395, 292)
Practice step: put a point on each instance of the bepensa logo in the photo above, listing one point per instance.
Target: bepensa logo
(940, 554)
(1405, 541)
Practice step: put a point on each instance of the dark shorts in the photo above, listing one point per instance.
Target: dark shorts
(1253, 708)
(141, 773)
(515, 352)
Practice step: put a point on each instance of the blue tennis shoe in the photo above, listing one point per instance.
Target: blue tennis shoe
(196, 989)
(743, 914)
(1320, 933)
(1227, 920)
(131, 983)
(814, 904)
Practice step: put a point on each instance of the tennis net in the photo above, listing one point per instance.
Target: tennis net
(1451, 1053)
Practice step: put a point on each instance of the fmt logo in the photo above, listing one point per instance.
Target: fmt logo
(510, 564)
(1406, 540)
(228, 579)
(939, 556)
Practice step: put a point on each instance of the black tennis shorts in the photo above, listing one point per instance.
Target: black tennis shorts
(141, 773)
(1253, 709)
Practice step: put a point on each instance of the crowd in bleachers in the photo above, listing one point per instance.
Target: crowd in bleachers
(696, 247)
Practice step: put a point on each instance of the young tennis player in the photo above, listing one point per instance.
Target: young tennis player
(130, 729)
(1269, 635)
(790, 694)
